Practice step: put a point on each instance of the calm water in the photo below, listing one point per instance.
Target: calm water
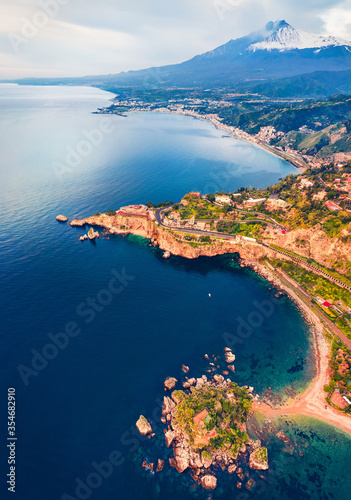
(82, 405)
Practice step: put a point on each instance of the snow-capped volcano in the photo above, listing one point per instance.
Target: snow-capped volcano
(281, 36)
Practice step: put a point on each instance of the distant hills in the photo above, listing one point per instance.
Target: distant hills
(277, 60)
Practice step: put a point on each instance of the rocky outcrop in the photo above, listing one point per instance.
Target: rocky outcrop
(160, 465)
(170, 383)
(229, 356)
(250, 484)
(206, 459)
(169, 437)
(209, 482)
(314, 243)
(143, 426)
(177, 396)
(259, 459)
(168, 405)
(92, 235)
(182, 458)
(232, 468)
(61, 218)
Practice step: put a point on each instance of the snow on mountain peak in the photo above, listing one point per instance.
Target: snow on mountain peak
(281, 36)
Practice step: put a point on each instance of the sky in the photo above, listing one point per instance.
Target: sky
(56, 38)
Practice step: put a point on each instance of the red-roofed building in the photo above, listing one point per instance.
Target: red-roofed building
(326, 304)
(332, 206)
(200, 417)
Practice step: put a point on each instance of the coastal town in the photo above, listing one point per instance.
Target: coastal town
(295, 234)
(307, 138)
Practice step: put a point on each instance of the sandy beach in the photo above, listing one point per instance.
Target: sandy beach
(312, 402)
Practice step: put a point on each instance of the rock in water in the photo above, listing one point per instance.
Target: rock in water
(259, 459)
(143, 426)
(160, 465)
(170, 383)
(181, 457)
(206, 459)
(209, 482)
(169, 437)
(250, 484)
(232, 468)
(168, 405)
(229, 357)
(93, 234)
(61, 218)
(185, 368)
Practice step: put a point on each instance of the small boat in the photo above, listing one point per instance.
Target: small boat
(209, 295)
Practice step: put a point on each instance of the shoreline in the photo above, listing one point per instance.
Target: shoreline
(312, 402)
(233, 135)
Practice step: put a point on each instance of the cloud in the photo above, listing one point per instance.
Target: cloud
(80, 37)
(337, 20)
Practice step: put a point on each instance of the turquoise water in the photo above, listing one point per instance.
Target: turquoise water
(76, 409)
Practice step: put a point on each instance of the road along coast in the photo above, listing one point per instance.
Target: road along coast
(313, 402)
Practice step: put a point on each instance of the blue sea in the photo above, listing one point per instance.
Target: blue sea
(85, 362)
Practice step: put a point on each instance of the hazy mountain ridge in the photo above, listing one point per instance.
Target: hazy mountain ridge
(275, 52)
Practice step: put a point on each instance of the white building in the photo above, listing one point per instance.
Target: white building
(223, 199)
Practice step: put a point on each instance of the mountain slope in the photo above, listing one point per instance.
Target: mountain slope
(276, 51)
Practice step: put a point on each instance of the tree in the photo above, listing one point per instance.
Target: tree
(149, 204)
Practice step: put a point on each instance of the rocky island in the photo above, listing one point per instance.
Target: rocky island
(205, 424)
(306, 258)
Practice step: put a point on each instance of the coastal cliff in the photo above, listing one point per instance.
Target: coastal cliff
(312, 243)
(172, 241)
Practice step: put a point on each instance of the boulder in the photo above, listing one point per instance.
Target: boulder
(227, 349)
(185, 368)
(195, 461)
(250, 484)
(206, 459)
(93, 234)
(240, 474)
(232, 468)
(181, 457)
(170, 383)
(218, 378)
(169, 437)
(168, 405)
(61, 218)
(259, 459)
(160, 465)
(229, 357)
(209, 482)
(199, 383)
(143, 426)
(232, 368)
